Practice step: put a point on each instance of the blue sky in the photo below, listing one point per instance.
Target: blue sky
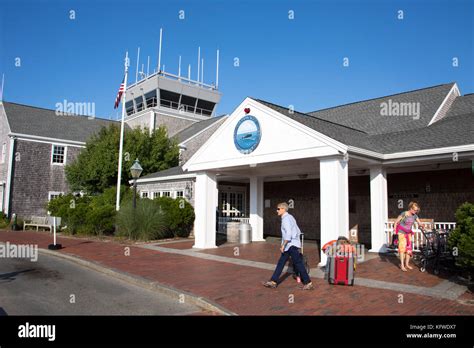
(295, 62)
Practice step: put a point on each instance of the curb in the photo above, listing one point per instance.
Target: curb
(201, 302)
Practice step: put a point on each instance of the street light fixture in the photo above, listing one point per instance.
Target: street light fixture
(136, 170)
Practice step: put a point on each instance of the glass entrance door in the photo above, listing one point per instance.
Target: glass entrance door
(232, 203)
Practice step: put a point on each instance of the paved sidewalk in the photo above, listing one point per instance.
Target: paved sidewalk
(235, 282)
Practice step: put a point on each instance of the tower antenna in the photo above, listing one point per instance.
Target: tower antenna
(138, 61)
(159, 50)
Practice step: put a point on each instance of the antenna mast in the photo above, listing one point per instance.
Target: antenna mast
(159, 51)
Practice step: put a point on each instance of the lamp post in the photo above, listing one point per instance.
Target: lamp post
(136, 170)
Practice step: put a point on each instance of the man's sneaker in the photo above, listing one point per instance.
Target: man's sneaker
(270, 284)
(308, 286)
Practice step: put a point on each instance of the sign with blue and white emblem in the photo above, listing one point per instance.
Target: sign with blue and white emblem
(247, 134)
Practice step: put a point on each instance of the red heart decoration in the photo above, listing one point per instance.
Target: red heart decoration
(247, 110)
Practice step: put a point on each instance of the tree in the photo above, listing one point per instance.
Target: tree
(462, 238)
(95, 169)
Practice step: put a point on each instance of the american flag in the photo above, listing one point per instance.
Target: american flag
(119, 94)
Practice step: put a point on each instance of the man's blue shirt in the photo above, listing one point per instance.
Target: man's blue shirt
(290, 231)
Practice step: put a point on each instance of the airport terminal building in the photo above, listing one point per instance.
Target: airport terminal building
(350, 166)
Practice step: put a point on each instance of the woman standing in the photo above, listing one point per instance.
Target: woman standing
(403, 227)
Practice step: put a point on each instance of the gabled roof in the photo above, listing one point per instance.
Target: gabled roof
(30, 120)
(341, 133)
(462, 105)
(195, 128)
(366, 115)
(449, 131)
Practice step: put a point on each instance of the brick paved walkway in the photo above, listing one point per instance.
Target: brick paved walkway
(238, 287)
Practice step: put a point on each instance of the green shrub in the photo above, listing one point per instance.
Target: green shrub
(71, 209)
(89, 215)
(462, 238)
(179, 215)
(4, 221)
(146, 222)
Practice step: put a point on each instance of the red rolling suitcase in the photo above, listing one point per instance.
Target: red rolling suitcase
(341, 268)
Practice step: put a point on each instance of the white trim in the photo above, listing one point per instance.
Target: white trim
(4, 153)
(417, 153)
(57, 193)
(164, 113)
(429, 152)
(64, 155)
(201, 131)
(46, 139)
(50, 142)
(9, 177)
(453, 89)
(166, 178)
(248, 102)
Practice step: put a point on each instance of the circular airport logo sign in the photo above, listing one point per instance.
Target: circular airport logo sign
(247, 134)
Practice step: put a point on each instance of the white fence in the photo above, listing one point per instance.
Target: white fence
(223, 220)
(418, 237)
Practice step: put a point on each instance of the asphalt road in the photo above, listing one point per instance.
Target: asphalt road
(46, 287)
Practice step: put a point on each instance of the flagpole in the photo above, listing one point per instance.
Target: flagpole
(119, 179)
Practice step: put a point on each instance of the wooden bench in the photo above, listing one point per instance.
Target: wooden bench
(42, 221)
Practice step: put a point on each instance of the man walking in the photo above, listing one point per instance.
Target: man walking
(290, 247)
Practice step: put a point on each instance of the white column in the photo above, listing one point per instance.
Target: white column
(205, 210)
(256, 208)
(334, 182)
(378, 207)
(152, 121)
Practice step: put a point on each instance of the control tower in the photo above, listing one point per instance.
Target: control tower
(171, 100)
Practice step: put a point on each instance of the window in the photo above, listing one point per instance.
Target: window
(144, 194)
(4, 152)
(205, 107)
(53, 195)
(166, 194)
(139, 103)
(156, 195)
(150, 99)
(58, 154)
(129, 107)
(179, 194)
(188, 103)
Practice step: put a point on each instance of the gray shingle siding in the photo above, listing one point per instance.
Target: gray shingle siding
(4, 130)
(34, 177)
(173, 124)
(192, 145)
(171, 185)
(197, 127)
